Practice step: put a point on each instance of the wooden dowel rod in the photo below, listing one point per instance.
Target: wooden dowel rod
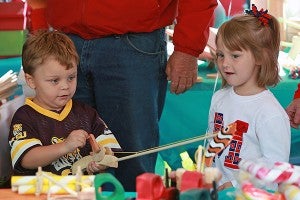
(154, 150)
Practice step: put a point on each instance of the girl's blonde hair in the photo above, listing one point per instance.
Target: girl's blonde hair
(247, 32)
(44, 44)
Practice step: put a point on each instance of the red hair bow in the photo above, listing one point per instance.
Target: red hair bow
(261, 15)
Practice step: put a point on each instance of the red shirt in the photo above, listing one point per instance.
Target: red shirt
(95, 19)
(297, 92)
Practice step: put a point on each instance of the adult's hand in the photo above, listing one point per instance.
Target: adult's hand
(293, 111)
(182, 71)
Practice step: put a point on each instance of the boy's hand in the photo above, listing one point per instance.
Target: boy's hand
(93, 167)
(77, 138)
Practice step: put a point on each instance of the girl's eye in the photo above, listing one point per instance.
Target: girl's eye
(235, 56)
(219, 55)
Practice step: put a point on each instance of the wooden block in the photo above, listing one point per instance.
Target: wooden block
(212, 76)
(199, 79)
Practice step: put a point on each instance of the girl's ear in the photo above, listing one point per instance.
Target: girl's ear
(258, 62)
(30, 81)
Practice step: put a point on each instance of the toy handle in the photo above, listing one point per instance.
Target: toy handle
(102, 178)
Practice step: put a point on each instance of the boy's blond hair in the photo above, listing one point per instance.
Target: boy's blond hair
(44, 44)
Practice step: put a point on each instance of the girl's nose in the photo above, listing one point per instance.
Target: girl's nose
(226, 63)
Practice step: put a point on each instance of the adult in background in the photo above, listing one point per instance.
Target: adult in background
(123, 69)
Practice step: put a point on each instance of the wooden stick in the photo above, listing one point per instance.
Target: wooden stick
(202, 160)
(168, 146)
(94, 144)
(59, 184)
(199, 158)
(6, 76)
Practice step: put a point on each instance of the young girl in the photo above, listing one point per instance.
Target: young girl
(247, 50)
(51, 129)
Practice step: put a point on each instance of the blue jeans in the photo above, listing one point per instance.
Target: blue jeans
(123, 77)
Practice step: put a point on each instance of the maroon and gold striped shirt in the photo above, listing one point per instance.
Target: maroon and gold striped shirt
(34, 126)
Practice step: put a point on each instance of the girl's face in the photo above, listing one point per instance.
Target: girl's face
(54, 85)
(238, 68)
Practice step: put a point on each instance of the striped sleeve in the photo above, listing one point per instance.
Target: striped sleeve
(18, 147)
(107, 139)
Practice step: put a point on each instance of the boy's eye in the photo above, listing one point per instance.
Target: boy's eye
(235, 56)
(54, 81)
(71, 78)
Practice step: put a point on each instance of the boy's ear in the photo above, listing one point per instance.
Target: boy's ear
(30, 81)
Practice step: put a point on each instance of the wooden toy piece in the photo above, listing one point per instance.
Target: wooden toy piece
(171, 193)
(212, 75)
(8, 83)
(168, 146)
(199, 158)
(199, 79)
(103, 178)
(94, 144)
(101, 155)
(149, 186)
(191, 180)
(295, 50)
(47, 183)
(195, 194)
(178, 177)
(249, 191)
(211, 175)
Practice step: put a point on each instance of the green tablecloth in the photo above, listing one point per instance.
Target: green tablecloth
(186, 115)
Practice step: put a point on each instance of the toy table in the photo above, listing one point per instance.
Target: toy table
(7, 194)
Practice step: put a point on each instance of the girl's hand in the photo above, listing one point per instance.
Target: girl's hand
(77, 138)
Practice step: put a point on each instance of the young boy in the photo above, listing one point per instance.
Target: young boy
(51, 129)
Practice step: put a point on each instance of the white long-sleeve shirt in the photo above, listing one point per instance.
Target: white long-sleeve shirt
(267, 139)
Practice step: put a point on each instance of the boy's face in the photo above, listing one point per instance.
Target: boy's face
(54, 85)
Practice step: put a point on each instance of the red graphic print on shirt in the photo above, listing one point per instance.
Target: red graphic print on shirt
(232, 159)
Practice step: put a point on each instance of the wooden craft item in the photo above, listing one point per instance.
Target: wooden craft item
(8, 82)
